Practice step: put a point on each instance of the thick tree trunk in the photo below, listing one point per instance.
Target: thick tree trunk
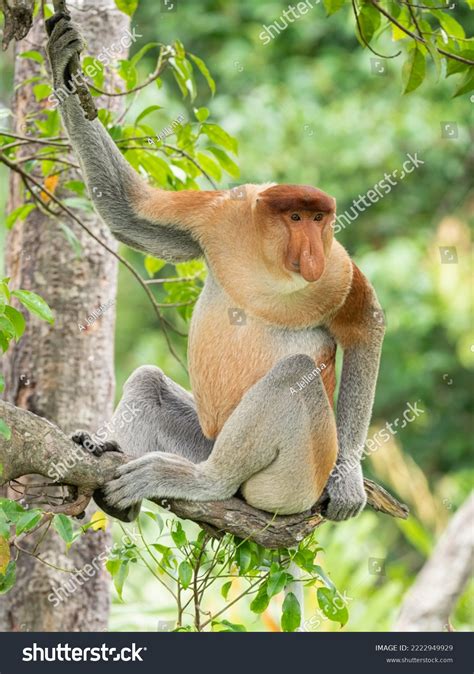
(61, 372)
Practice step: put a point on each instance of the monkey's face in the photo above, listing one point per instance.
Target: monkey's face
(298, 221)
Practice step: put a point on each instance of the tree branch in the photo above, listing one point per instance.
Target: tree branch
(38, 446)
(417, 38)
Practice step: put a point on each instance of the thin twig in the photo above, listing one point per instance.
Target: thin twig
(362, 36)
(393, 20)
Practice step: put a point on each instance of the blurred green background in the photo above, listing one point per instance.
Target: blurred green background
(308, 108)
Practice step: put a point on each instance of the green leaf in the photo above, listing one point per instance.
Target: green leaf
(291, 613)
(127, 6)
(76, 186)
(42, 91)
(19, 213)
(225, 589)
(33, 55)
(201, 114)
(276, 582)
(228, 626)
(220, 137)
(414, 70)
(453, 67)
(141, 53)
(333, 6)
(183, 73)
(11, 509)
(35, 304)
(7, 328)
(449, 23)
(261, 600)
(185, 573)
(204, 72)
(27, 521)
(7, 581)
(435, 55)
(243, 557)
(467, 84)
(404, 19)
(5, 430)
(322, 576)
(128, 73)
(332, 605)
(369, 21)
(226, 162)
(209, 165)
(179, 536)
(147, 111)
(63, 526)
(17, 320)
(153, 265)
(4, 289)
(120, 577)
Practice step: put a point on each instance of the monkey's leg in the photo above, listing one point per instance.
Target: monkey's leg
(270, 427)
(154, 413)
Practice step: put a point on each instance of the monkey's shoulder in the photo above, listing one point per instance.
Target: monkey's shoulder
(359, 314)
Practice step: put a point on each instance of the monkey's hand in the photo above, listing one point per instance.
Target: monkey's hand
(85, 439)
(346, 493)
(64, 44)
(138, 479)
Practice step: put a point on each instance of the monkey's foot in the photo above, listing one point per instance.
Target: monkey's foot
(84, 439)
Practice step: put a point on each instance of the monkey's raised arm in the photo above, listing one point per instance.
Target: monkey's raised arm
(165, 224)
(358, 327)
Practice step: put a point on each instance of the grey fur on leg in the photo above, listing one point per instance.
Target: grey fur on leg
(154, 414)
(255, 435)
(164, 418)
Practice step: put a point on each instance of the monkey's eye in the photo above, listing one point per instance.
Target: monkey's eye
(295, 216)
(319, 216)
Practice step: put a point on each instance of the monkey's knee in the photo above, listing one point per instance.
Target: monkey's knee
(145, 383)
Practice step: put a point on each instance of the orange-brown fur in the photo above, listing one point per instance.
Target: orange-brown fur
(245, 251)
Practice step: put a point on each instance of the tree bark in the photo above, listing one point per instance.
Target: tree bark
(87, 473)
(432, 598)
(60, 372)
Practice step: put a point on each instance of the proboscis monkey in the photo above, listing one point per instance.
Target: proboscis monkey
(261, 420)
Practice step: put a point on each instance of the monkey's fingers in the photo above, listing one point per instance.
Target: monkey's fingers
(54, 20)
(85, 440)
